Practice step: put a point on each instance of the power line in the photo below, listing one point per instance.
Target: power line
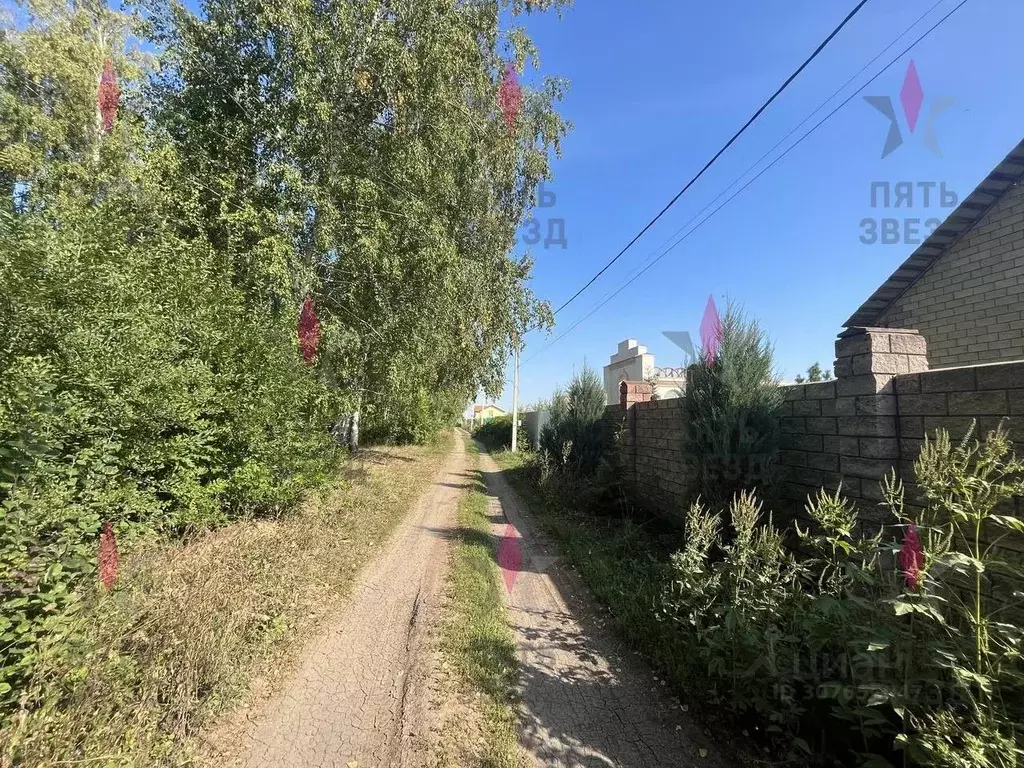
(720, 152)
(752, 180)
(785, 138)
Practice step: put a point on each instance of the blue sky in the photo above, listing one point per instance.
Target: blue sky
(656, 89)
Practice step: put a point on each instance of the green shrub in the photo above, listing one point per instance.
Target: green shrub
(495, 434)
(413, 417)
(733, 405)
(831, 648)
(140, 387)
(576, 435)
(846, 657)
(960, 626)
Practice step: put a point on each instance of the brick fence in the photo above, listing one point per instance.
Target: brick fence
(850, 431)
(653, 432)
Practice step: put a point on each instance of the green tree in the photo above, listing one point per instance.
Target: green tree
(153, 271)
(575, 437)
(815, 373)
(365, 152)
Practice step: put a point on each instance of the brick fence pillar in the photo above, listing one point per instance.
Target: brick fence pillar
(631, 393)
(868, 360)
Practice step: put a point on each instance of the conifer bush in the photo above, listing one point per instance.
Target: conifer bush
(733, 405)
(576, 436)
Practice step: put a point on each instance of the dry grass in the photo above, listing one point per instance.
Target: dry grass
(190, 627)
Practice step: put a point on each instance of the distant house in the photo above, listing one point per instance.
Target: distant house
(484, 413)
(963, 288)
(632, 362)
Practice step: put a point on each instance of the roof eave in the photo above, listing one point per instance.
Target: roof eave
(973, 209)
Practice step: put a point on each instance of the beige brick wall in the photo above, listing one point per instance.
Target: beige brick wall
(850, 432)
(970, 304)
(661, 473)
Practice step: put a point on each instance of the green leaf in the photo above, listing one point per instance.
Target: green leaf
(960, 562)
(877, 699)
(1006, 521)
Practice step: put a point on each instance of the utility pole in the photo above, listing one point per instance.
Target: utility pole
(515, 400)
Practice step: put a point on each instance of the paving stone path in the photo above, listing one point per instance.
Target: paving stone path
(359, 695)
(585, 700)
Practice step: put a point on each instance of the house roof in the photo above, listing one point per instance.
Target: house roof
(1004, 177)
(479, 408)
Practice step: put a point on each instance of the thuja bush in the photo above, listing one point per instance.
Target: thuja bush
(864, 649)
(576, 435)
(733, 404)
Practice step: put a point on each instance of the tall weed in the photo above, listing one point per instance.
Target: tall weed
(858, 647)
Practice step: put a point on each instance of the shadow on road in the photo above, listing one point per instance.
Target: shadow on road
(583, 703)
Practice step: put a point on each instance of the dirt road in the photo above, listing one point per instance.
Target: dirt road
(359, 694)
(351, 697)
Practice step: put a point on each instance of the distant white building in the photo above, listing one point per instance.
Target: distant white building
(632, 362)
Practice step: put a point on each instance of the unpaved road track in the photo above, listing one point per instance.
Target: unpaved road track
(360, 691)
(583, 702)
(350, 698)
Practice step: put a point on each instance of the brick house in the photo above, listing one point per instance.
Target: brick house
(963, 288)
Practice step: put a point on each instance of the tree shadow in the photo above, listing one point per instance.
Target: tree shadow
(582, 701)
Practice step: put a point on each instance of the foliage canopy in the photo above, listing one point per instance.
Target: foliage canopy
(154, 264)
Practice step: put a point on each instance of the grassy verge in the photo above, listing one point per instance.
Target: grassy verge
(190, 627)
(478, 646)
